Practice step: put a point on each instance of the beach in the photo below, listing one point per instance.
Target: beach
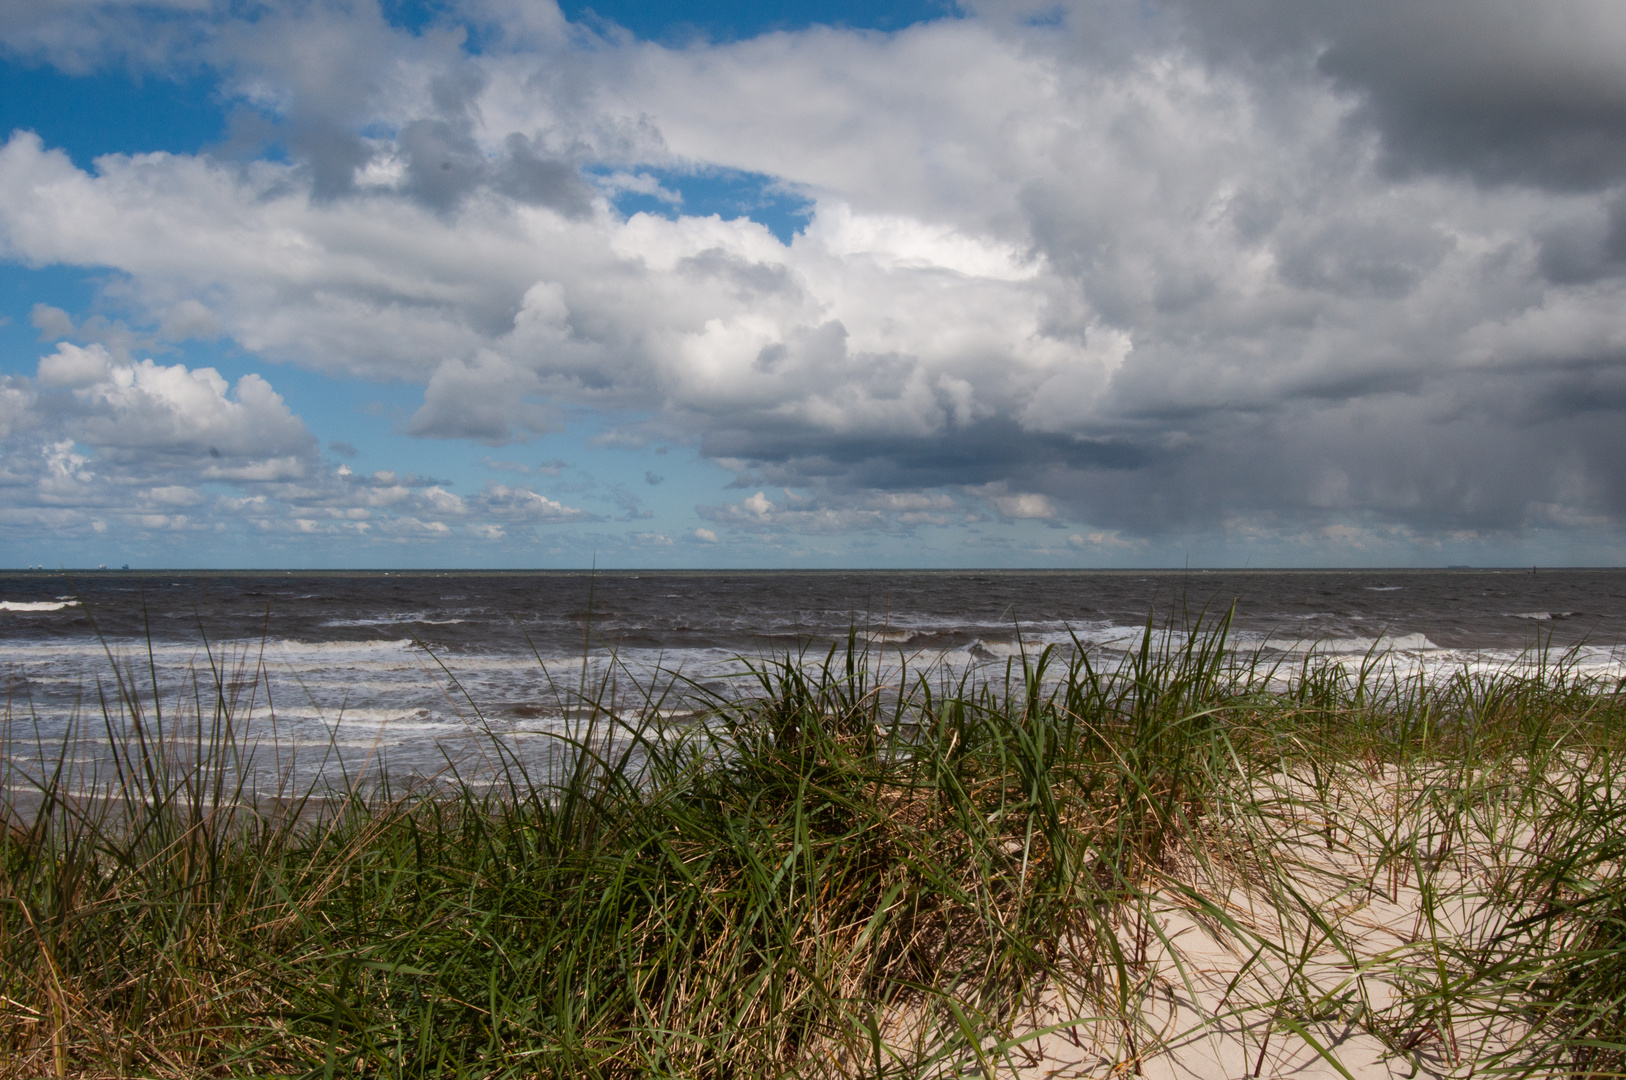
(1180, 853)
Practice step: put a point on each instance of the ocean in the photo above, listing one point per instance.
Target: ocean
(416, 668)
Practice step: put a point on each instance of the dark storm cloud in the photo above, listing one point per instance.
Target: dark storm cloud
(981, 452)
(1486, 451)
(1502, 90)
(1586, 246)
(1481, 451)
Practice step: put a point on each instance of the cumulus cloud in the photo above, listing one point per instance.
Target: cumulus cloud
(485, 400)
(90, 435)
(1266, 265)
(141, 412)
(166, 448)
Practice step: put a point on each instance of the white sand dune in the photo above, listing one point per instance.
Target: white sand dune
(1301, 960)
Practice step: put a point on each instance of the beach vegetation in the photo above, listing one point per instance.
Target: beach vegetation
(844, 866)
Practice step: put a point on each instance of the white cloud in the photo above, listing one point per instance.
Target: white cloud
(72, 366)
(92, 437)
(1018, 505)
(1025, 505)
(137, 412)
(525, 505)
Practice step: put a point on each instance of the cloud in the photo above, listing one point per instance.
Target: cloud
(84, 37)
(91, 435)
(166, 448)
(827, 512)
(143, 411)
(1503, 92)
(1103, 541)
(518, 504)
(486, 400)
(51, 322)
(1024, 505)
(1308, 265)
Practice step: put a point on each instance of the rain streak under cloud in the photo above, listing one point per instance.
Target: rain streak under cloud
(1091, 284)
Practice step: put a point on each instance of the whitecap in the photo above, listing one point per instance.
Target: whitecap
(1387, 643)
(36, 605)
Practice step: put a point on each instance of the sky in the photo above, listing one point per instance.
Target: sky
(996, 283)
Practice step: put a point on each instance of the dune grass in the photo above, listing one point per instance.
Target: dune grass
(852, 871)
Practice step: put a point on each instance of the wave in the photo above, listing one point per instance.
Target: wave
(36, 605)
(1386, 643)
(393, 620)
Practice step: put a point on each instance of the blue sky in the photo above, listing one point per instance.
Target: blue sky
(496, 284)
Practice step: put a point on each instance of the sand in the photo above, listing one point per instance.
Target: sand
(1344, 936)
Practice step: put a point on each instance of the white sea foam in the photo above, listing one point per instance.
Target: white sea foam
(37, 605)
(1387, 643)
(414, 618)
(292, 647)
